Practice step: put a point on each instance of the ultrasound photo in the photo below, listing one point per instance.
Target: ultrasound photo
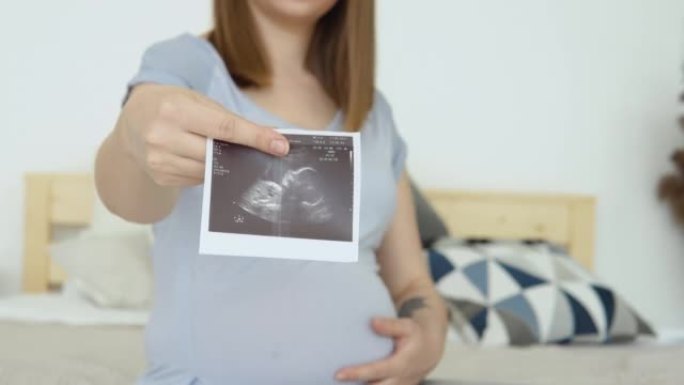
(307, 194)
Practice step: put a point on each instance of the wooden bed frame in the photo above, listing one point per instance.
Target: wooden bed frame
(51, 200)
(67, 200)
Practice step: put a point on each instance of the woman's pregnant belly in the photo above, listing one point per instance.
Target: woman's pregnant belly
(264, 322)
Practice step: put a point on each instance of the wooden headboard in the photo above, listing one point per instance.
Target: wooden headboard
(67, 200)
(51, 200)
(564, 219)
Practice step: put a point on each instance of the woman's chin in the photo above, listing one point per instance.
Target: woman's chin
(294, 11)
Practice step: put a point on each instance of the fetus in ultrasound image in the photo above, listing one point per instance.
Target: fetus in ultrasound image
(306, 194)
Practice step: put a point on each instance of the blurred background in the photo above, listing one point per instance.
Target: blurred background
(559, 96)
(576, 96)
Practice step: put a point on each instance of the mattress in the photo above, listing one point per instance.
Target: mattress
(49, 354)
(60, 338)
(636, 363)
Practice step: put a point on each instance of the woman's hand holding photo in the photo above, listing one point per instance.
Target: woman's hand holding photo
(165, 129)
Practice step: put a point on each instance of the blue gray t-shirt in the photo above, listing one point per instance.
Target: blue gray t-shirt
(220, 320)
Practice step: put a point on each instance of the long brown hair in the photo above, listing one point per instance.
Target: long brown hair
(341, 54)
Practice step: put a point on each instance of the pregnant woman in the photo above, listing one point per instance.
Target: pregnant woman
(222, 320)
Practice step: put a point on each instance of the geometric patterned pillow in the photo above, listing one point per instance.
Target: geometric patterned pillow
(522, 293)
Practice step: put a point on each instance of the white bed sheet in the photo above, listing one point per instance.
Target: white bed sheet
(68, 310)
(57, 354)
(46, 354)
(645, 362)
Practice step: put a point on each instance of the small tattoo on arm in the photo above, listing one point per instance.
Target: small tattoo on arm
(410, 306)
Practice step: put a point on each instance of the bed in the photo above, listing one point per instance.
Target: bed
(47, 338)
(55, 353)
(567, 220)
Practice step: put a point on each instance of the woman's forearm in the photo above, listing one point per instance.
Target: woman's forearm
(125, 187)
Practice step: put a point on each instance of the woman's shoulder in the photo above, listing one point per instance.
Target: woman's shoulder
(186, 57)
(180, 45)
(382, 124)
(380, 103)
(380, 114)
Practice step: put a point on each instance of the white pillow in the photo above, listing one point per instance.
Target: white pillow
(110, 269)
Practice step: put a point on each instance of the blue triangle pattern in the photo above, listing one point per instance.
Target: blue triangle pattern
(439, 265)
(608, 300)
(479, 322)
(523, 278)
(520, 308)
(583, 322)
(477, 274)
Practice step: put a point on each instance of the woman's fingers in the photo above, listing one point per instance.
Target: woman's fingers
(162, 163)
(185, 167)
(223, 125)
(172, 142)
(374, 371)
(401, 330)
(394, 327)
(188, 145)
(389, 381)
(171, 180)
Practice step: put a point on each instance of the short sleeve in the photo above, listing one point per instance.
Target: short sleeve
(397, 143)
(176, 62)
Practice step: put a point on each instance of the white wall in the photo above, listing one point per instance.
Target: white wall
(549, 95)
(532, 95)
(63, 72)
